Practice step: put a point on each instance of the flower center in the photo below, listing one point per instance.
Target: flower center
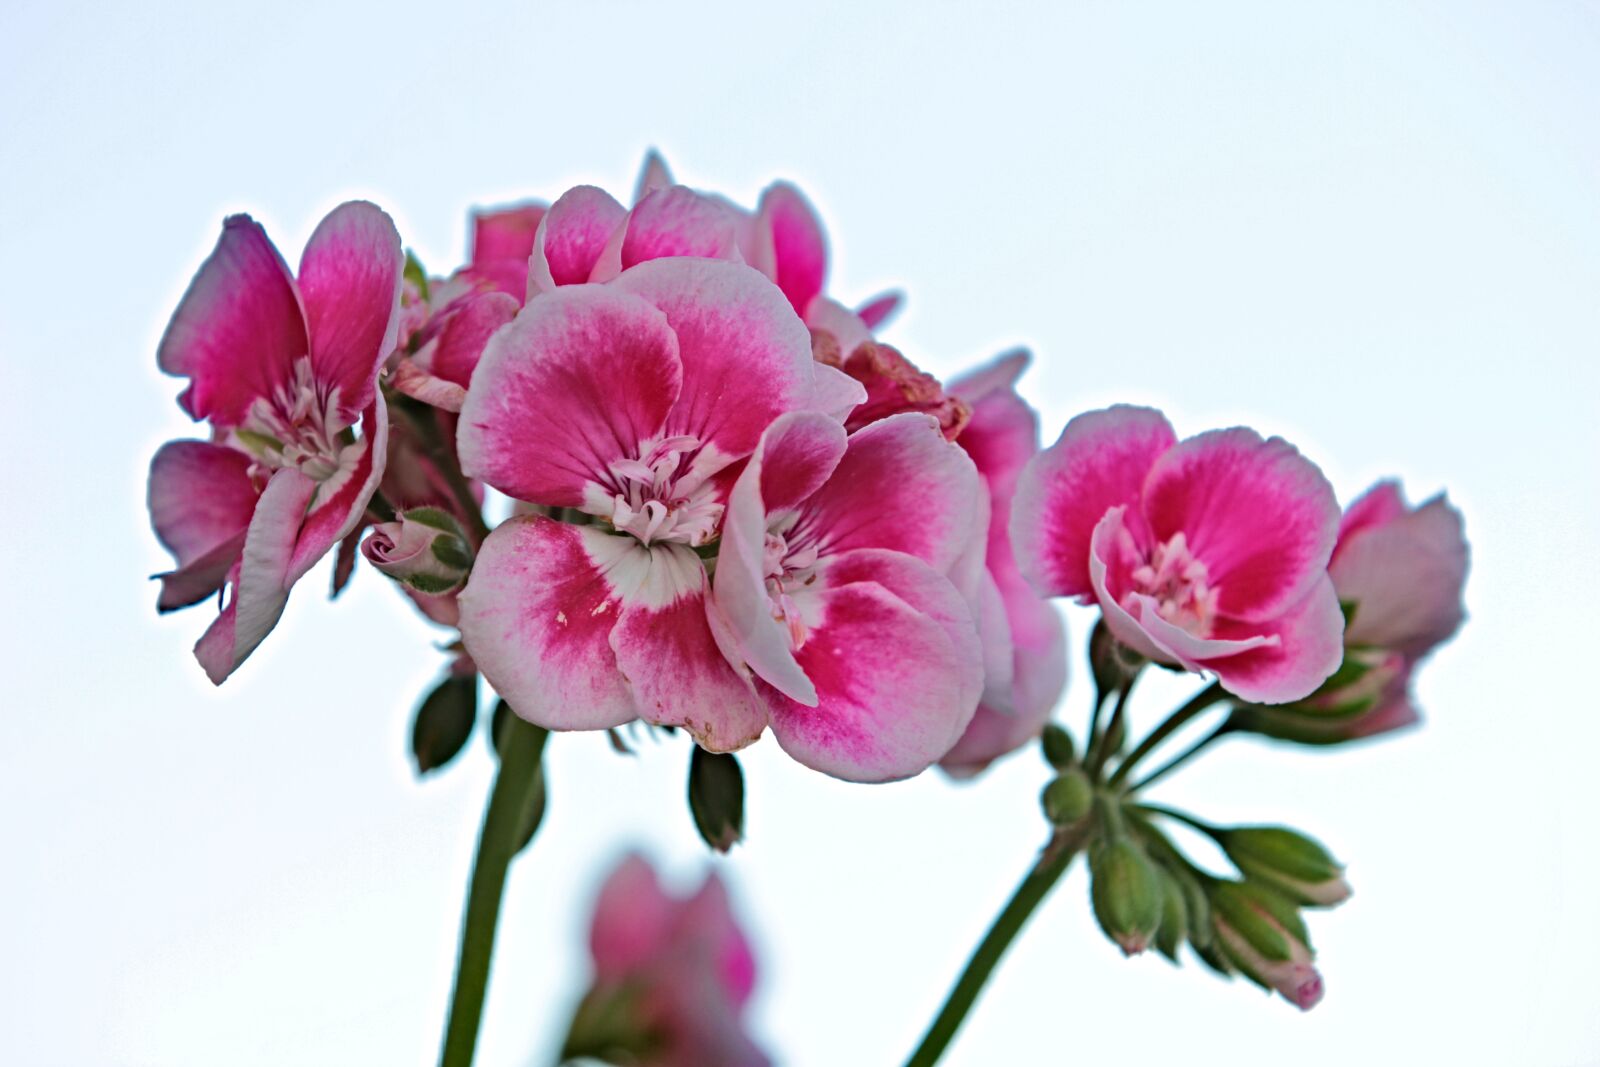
(654, 503)
(788, 569)
(296, 427)
(1180, 585)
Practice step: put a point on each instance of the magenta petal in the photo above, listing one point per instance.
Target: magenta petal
(633, 920)
(796, 455)
(505, 235)
(900, 485)
(677, 221)
(581, 377)
(1258, 514)
(201, 577)
(238, 329)
(262, 586)
(350, 278)
(746, 357)
(342, 499)
(1405, 577)
(653, 175)
(536, 616)
(665, 650)
(880, 309)
(800, 249)
(998, 376)
(889, 685)
(1383, 503)
(466, 332)
(1308, 649)
(1108, 577)
(571, 237)
(1099, 462)
(200, 496)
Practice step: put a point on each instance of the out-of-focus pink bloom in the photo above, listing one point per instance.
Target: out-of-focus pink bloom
(502, 241)
(629, 403)
(1001, 436)
(671, 977)
(283, 370)
(1209, 553)
(832, 586)
(1400, 571)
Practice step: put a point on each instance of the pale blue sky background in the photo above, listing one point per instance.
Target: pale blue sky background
(1370, 227)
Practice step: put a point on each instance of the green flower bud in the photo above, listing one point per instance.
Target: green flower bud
(1059, 751)
(425, 548)
(1174, 928)
(1068, 798)
(1126, 893)
(1288, 861)
(1261, 934)
(716, 797)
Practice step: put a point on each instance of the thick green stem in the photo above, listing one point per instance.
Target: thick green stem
(522, 745)
(1034, 888)
(1202, 700)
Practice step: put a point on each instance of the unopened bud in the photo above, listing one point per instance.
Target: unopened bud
(1174, 928)
(1059, 751)
(1068, 798)
(1110, 662)
(1126, 893)
(716, 797)
(424, 548)
(1261, 933)
(1287, 860)
(444, 721)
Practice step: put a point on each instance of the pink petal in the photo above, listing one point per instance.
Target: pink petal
(1099, 462)
(340, 501)
(998, 376)
(633, 920)
(890, 689)
(671, 222)
(880, 309)
(900, 485)
(1309, 648)
(238, 329)
(708, 918)
(504, 235)
(1258, 514)
(652, 176)
(571, 237)
(418, 384)
(350, 275)
(574, 383)
(466, 331)
(839, 323)
(536, 616)
(800, 249)
(665, 650)
(1109, 577)
(796, 455)
(1406, 578)
(200, 577)
(200, 496)
(261, 587)
(1381, 504)
(835, 393)
(746, 357)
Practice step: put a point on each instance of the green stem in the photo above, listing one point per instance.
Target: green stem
(426, 426)
(1034, 888)
(1196, 704)
(1103, 744)
(520, 752)
(1180, 759)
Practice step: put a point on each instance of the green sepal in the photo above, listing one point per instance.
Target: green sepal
(716, 797)
(444, 722)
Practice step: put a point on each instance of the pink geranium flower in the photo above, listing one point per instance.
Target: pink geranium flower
(672, 976)
(1210, 553)
(626, 405)
(1001, 436)
(833, 589)
(283, 369)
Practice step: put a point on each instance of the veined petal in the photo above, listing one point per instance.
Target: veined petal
(900, 485)
(200, 495)
(350, 275)
(261, 587)
(238, 329)
(1309, 647)
(800, 248)
(1258, 514)
(1099, 462)
(580, 377)
(796, 455)
(537, 614)
(340, 501)
(571, 238)
(890, 689)
(746, 357)
(665, 650)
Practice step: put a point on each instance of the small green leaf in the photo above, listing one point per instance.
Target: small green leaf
(444, 722)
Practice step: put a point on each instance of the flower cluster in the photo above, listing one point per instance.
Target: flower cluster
(734, 508)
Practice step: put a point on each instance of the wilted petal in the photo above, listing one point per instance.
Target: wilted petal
(350, 276)
(1099, 462)
(537, 614)
(574, 383)
(239, 328)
